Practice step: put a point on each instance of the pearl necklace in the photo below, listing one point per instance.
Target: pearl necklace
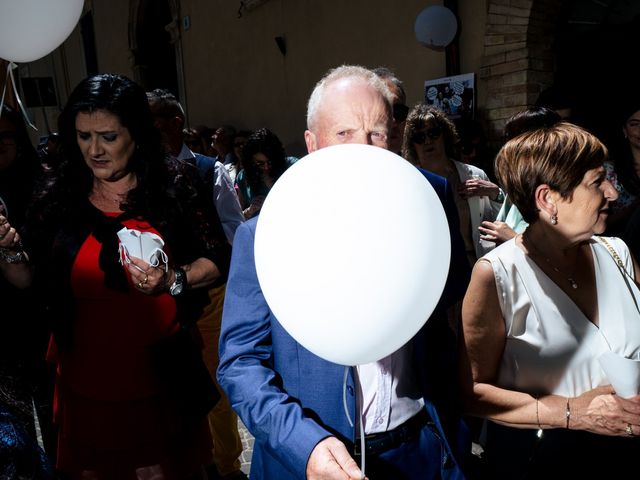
(569, 278)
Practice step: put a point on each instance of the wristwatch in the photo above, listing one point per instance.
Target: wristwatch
(10, 256)
(180, 283)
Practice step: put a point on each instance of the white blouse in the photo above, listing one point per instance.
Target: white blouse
(551, 346)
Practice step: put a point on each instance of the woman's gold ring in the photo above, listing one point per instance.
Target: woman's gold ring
(145, 280)
(629, 430)
(140, 285)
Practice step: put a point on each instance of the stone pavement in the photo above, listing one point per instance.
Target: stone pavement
(247, 447)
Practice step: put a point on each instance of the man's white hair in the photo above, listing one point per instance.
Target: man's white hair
(339, 73)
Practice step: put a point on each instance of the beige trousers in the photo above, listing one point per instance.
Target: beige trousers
(222, 419)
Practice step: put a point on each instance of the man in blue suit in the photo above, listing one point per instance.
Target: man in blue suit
(291, 400)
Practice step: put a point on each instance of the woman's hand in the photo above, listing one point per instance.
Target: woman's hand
(496, 231)
(254, 208)
(146, 278)
(477, 187)
(9, 238)
(14, 262)
(601, 411)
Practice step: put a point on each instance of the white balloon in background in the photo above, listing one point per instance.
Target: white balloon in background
(30, 29)
(436, 27)
(352, 252)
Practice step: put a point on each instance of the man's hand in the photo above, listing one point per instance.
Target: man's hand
(330, 460)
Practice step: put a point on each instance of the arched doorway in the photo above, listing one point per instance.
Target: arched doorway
(584, 46)
(595, 52)
(154, 34)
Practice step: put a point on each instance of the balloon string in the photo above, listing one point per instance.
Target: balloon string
(9, 75)
(344, 396)
(4, 210)
(361, 415)
(362, 444)
(4, 90)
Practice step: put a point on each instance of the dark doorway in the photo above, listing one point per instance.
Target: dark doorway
(89, 43)
(155, 52)
(595, 54)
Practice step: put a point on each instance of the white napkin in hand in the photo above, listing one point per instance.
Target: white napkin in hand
(144, 245)
(622, 372)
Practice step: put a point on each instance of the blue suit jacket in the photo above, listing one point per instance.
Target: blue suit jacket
(290, 399)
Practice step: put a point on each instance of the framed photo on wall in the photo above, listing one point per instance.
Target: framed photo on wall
(454, 95)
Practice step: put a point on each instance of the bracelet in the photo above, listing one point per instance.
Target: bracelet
(567, 413)
(11, 256)
(538, 413)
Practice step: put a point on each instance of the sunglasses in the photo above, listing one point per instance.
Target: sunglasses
(433, 133)
(400, 112)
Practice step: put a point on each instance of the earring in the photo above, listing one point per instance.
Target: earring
(554, 219)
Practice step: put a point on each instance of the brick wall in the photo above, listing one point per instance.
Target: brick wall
(518, 60)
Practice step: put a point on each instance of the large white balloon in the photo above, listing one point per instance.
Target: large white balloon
(436, 27)
(30, 29)
(352, 252)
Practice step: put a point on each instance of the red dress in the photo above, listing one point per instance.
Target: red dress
(112, 415)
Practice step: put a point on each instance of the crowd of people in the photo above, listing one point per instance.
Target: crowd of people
(138, 365)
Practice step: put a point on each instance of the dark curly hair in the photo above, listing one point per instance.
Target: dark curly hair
(419, 115)
(266, 142)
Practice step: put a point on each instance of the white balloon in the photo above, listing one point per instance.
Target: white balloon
(30, 29)
(436, 27)
(352, 252)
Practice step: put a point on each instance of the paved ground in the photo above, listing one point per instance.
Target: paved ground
(247, 450)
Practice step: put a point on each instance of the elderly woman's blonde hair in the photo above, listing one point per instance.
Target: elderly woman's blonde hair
(558, 156)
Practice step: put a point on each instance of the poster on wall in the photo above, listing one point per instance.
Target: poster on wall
(453, 95)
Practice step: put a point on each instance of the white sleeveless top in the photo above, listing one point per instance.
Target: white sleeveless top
(551, 346)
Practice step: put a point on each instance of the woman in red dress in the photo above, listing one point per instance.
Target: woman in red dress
(117, 419)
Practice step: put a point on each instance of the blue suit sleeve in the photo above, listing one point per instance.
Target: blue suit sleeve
(246, 373)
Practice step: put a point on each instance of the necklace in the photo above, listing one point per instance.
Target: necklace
(571, 281)
(569, 278)
(115, 196)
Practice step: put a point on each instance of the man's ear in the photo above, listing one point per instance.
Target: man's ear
(311, 141)
(178, 122)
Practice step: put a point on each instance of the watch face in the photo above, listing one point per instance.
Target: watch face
(177, 286)
(176, 289)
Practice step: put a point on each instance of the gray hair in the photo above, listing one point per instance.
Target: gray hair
(339, 73)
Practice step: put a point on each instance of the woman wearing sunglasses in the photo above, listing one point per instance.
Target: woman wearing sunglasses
(431, 142)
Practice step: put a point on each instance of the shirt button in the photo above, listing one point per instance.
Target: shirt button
(380, 421)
